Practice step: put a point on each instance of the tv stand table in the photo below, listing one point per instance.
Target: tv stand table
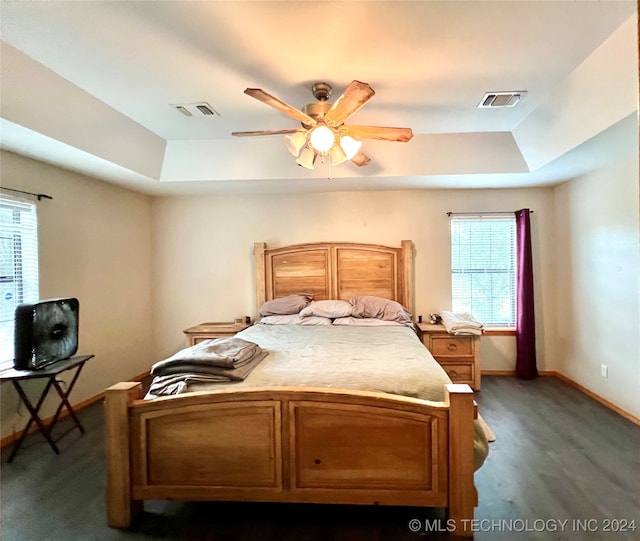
(50, 373)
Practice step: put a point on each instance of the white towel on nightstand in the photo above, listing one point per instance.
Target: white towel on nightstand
(461, 323)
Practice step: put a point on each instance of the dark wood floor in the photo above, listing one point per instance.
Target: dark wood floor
(559, 456)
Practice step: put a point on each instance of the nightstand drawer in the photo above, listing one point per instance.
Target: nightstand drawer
(459, 372)
(458, 354)
(452, 345)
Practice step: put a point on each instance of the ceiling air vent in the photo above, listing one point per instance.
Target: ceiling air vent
(501, 99)
(201, 108)
(183, 110)
(205, 109)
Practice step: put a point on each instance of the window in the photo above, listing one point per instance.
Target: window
(483, 268)
(18, 266)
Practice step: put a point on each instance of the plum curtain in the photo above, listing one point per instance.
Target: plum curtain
(525, 315)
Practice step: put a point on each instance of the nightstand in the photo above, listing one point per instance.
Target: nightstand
(205, 331)
(459, 354)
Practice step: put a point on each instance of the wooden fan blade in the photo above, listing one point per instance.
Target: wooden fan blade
(281, 106)
(263, 132)
(354, 97)
(361, 159)
(381, 133)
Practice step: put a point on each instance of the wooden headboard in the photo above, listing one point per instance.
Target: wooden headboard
(335, 270)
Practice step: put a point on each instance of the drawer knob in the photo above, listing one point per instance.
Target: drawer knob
(452, 373)
(451, 347)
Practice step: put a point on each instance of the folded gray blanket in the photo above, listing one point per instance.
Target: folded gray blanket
(175, 379)
(176, 384)
(229, 352)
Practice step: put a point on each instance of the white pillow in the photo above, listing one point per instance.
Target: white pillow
(294, 319)
(365, 322)
(281, 319)
(327, 308)
(315, 320)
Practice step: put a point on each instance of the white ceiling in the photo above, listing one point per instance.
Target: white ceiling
(87, 85)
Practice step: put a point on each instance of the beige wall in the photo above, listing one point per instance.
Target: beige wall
(202, 251)
(146, 268)
(95, 244)
(598, 268)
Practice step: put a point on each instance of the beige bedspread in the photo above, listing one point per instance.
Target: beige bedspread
(389, 359)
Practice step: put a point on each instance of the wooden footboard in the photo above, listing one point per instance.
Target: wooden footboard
(290, 445)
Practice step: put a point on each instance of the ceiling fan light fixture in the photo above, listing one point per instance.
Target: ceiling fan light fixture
(350, 146)
(337, 155)
(295, 142)
(322, 138)
(307, 158)
(324, 133)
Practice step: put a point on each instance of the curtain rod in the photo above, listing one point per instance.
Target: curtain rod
(38, 195)
(480, 213)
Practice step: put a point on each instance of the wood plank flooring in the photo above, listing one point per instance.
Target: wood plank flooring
(559, 456)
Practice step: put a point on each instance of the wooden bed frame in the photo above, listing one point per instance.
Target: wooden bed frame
(300, 444)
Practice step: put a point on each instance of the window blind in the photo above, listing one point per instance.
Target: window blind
(18, 266)
(483, 268)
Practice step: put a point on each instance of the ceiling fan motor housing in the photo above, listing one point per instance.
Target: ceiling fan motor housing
(324, 122)
(322, 91)
(316, 110)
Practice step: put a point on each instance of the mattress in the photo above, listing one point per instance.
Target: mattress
(388, 359)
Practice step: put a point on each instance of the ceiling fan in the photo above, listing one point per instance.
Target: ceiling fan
(324, 132)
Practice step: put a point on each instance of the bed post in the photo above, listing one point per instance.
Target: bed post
(407, 278)
(462, 493)
(121, 509)
(258, 261)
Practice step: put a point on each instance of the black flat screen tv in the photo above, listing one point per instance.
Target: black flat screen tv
(45, 332)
